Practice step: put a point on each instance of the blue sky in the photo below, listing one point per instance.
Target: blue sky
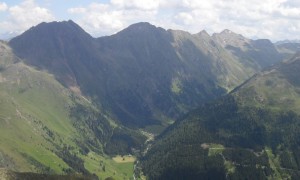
(272, 19)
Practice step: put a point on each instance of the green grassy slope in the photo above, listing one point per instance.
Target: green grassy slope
(276, 87)
(46, 128)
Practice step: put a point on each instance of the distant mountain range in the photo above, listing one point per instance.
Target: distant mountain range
(144, 75)
(69, 102)
(287, 42)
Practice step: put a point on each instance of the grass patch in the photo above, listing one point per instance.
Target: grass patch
(229, 167)
(274, 163)
(215, 149)
(176, 86)
(104, 166)
(124, 159)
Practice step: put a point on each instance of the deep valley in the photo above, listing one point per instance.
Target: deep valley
(148, 103)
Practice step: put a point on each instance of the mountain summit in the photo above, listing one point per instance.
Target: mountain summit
(144, 27)
(52, 46)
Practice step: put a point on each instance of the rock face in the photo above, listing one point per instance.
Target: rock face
(144, 75)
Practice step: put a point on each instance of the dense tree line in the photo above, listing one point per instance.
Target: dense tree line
(243, 131)
(100, 136)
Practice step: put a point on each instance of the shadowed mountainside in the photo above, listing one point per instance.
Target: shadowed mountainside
(144, 75)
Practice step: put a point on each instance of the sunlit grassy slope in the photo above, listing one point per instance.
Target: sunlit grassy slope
(44, 127)
(277, 88)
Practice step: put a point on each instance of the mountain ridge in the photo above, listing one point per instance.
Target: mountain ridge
(130, 72)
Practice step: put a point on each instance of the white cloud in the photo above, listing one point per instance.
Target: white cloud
(185, 18)
(3, 6)
(99, 18)
(289, 12)
(24, 15)
(273, 19)
(137, 4)
(77, 10)
(252, 18)
(105, 19)
(292, 3)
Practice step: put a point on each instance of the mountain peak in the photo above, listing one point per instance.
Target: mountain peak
(141, 27)
(227, 31)
(228, 37)
(53, 41)
(54, 28)
(51, 34)
(203, 33)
